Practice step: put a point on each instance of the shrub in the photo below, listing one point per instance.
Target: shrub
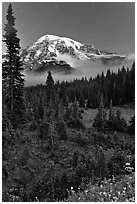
(131, 127)
(116, 122)
(43, 129)
(116, 163)
(100, 119)
(61, 129)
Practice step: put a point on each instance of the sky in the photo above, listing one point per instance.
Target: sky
(107, 25)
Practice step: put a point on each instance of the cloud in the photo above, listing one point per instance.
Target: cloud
(130, 56)
(86, 68)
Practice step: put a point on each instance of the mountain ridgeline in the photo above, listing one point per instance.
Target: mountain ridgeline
(53, 51)
(67, 59)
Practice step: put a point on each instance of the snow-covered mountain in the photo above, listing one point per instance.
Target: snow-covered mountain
(67, 59)
(58, 53)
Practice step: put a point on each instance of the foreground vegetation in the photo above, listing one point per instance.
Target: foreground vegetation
(48, 152)
(120, 189)
(63, 161)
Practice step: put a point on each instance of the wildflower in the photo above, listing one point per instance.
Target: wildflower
(86, 191)
(132, 199)
(115, 198)
(104, 193)
(113, 178)
(109, 180)
(72, 190)
(102, 199)
(118, 192)
(111, 183)
(37, 198)
(126, 200)
(123, 192)
(101, 186)
(105, 181)
(109, 195)
(14, 198)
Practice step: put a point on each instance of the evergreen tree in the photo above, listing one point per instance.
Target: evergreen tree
(52, 138)
(43, 128)
(112, 120)
(131, 128)
(102, 83)
(40, 110)
(118, 114)
(120, 124)
(50, 87)
(100, 119)
(75, 109)
(133, 82)
(47, 121)
(68, 110)
(5, 121)
(61, 125)
(13, 79)
(75, 158)
(76, 115)
(116, 163)
(111, 112)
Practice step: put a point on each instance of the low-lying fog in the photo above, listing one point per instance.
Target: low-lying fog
(82, 69)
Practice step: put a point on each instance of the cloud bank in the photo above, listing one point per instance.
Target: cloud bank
(86, 68)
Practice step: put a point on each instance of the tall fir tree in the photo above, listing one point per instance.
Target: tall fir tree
(50, 87)
(52, 136)
(61, 127)
(111, 112)
(12, 77)
(100, 119)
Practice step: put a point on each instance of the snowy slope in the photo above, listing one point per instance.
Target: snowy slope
(52, 48)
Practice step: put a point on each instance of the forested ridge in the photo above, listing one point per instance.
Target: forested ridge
(48, 154)
(118, 87)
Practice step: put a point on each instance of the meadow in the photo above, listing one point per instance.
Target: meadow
(90, 114)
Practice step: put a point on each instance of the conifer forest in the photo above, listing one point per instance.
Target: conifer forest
(49, 152)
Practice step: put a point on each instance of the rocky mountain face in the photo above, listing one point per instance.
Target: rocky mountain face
(55, 53)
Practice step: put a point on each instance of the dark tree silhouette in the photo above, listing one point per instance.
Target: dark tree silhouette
(50, 87)
(13, 79)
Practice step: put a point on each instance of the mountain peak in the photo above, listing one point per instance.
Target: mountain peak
(47, 37)
(52, 48)
(55, 38)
